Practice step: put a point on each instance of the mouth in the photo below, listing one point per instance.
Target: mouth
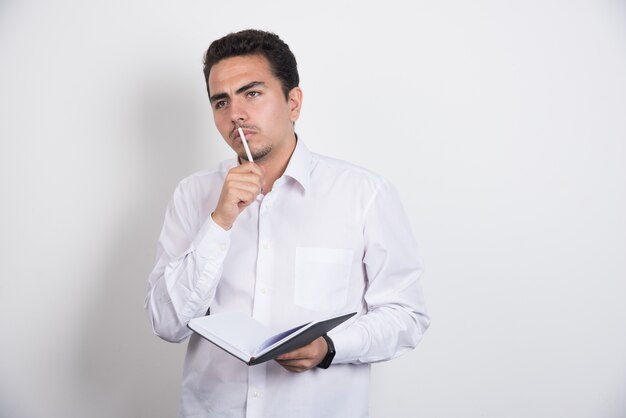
(248, 132)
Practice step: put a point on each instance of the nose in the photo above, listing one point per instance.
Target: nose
(238, 113)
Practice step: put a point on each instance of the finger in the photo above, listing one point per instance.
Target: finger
(243, 175)
(244, 178)
(243, 197)
(297, 365)
(236, 188)
(248, 167)
(297, 354)
(291, 366)
(288, 358)
(309, 351)
(252, 168)
(295, 362)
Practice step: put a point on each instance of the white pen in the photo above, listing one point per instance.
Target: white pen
(245, 144)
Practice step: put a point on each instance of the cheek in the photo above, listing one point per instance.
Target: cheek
(273, 114)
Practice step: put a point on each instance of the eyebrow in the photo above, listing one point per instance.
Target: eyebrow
(240, 90)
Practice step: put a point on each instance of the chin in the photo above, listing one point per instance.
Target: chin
(261, 154)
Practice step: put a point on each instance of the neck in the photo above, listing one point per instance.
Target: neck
(275, 163)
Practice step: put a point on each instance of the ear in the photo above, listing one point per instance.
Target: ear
(295, 103)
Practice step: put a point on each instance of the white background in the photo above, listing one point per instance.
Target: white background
(502, 123)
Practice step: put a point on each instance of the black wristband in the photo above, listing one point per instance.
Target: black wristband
(330, 355)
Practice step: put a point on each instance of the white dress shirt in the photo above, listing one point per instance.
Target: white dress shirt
(329, 238)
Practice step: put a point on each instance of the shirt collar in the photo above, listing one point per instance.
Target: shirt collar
(299, 166)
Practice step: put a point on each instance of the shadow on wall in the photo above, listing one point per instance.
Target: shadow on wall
(127, 371)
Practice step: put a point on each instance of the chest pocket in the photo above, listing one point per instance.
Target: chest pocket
(322, 277)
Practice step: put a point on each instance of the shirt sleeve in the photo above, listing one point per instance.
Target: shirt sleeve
(396, 317)
(188, 268)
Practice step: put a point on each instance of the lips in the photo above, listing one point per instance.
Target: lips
(246, 132)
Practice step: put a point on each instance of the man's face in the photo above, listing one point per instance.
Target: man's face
(245, 92)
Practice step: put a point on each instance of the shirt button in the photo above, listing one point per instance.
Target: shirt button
(256, 394)
(266, 246)
(263, 291)
(223, 247)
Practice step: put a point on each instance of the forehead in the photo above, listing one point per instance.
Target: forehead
(231, 73)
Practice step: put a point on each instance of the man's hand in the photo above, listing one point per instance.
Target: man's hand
(241, 186)
(304, 358)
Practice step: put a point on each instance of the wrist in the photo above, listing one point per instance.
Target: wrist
(330, 353)
(220, 222)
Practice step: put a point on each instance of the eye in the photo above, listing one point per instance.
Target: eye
(220, 104)
(253, 93)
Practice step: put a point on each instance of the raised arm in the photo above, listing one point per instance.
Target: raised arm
(190, 259)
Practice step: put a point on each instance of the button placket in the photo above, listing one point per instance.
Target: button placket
(261, 306)
(261, 312)
(256, 389)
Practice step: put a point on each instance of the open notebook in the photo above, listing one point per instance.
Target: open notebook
(252, 342)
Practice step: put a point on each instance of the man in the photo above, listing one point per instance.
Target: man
(289, 238)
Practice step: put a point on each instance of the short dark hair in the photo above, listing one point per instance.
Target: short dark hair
(255, 42)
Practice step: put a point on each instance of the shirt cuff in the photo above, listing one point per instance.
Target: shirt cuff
(211, 241)
(349, 344)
